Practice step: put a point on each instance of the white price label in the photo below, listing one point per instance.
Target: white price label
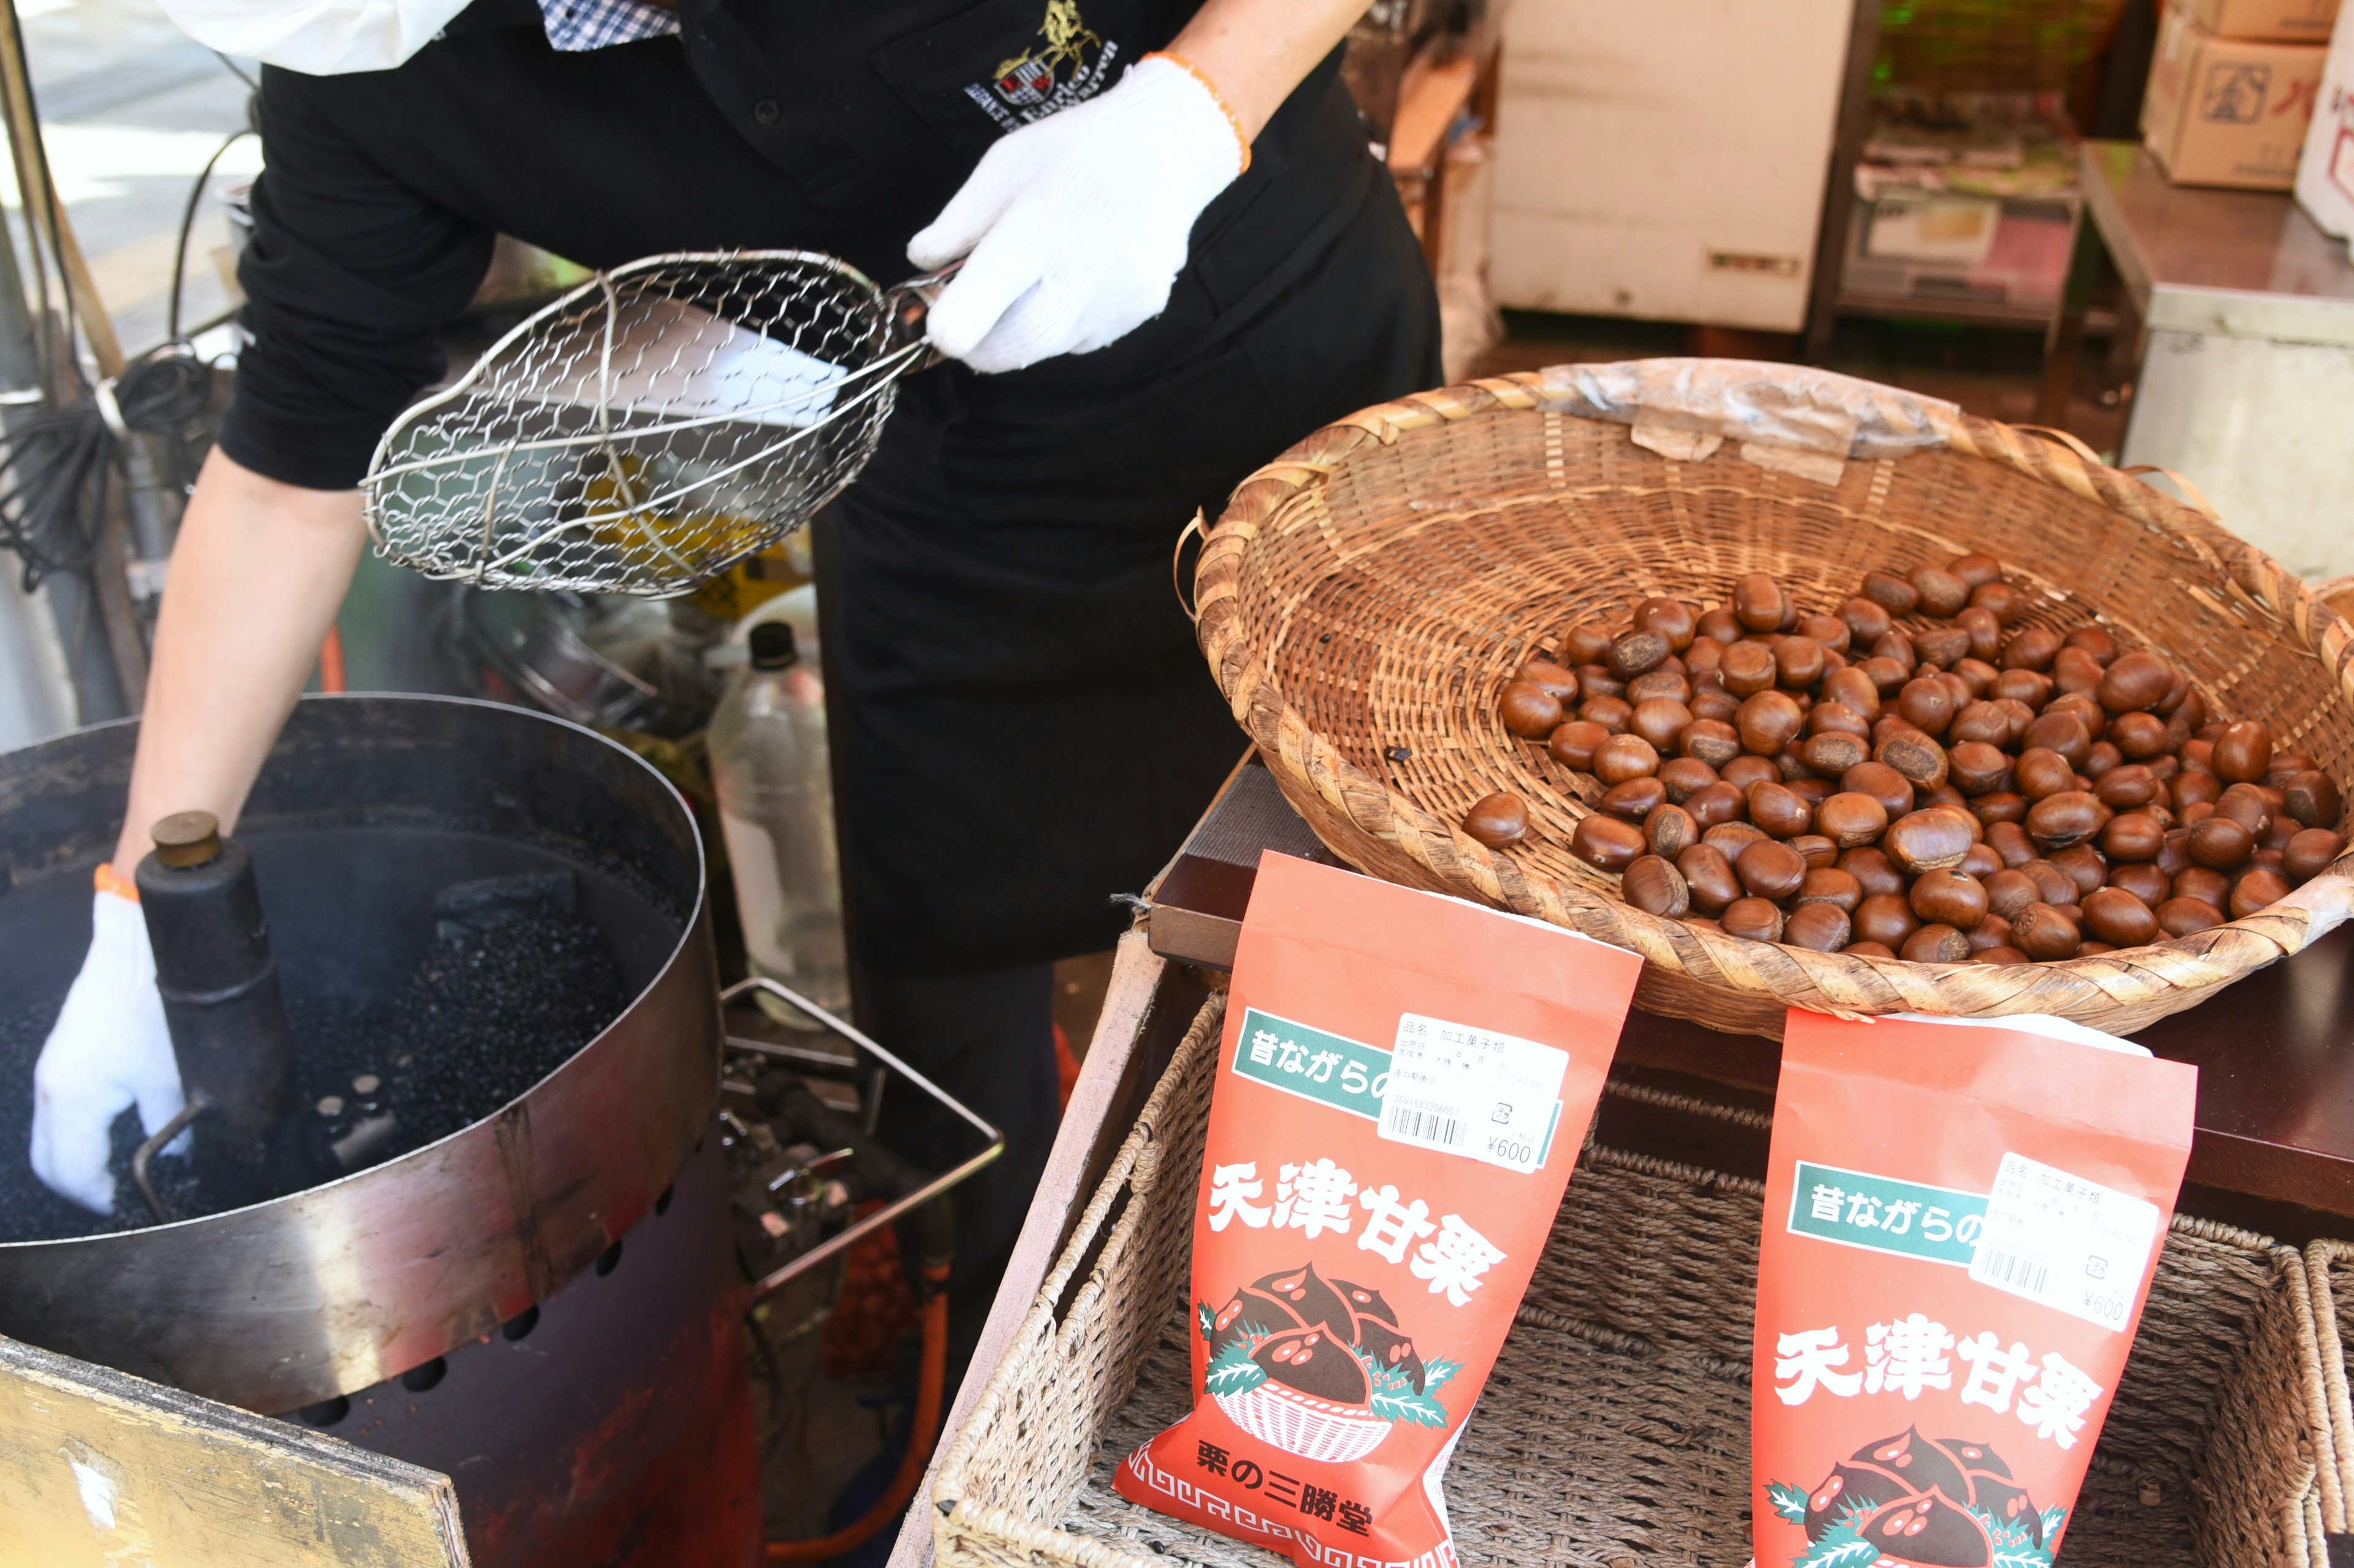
(2065, 1241)
(1468, 1091)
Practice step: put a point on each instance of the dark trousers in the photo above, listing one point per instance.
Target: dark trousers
(988, 1040)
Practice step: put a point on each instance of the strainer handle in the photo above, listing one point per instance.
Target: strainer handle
(907, 305)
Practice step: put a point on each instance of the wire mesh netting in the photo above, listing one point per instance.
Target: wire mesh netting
(649, 428)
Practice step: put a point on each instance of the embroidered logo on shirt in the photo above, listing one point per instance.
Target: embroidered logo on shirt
(1068, 65)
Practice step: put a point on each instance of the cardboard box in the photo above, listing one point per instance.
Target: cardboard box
(2275, 21)
(2226, 111)
(2325, 175)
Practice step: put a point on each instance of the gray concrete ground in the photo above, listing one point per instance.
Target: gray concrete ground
(131, 109)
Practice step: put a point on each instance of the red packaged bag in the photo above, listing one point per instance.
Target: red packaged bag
(1961, 1224)
(1404, 1084)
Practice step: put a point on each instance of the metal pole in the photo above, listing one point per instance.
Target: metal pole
(67, 671)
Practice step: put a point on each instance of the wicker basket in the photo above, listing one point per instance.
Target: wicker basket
(2330, 1268)
(1367, 595)
(1616, 1427)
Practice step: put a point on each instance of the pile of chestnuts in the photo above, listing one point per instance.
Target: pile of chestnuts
(1914, 775)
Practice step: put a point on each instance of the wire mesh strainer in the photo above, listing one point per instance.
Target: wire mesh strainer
(654, 425)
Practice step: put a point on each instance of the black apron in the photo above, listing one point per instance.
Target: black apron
(1024, 725)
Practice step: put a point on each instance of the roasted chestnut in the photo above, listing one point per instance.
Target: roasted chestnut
(2058, 821)
(2008, 891)
(1752, 919)
(1712, 741)
(1662, 721)
(2117, 917)
(1684, 775)
(1709, 875)
(1528, 710)
(1770, 870)
(1670, 831)
(1932, 840)
(1949, 899)
(2242, 752)
(2031, 648)
(1499, 820)
(2132, 836)
(1625, 756)
(2258, 888)
(1670, 618)
(2308, 854)
(2312, 798)
(1821, 927)
(1885, 918)
(1891, 592)
(1797, 662)
(2180, 916)
(1915, 758)
(2002, 599)
(1653, 886)
(1935, 945)
(1607, 842)
(1769, 722)
(2221, 843)
(1584, 642)
(2143, 879)
(1872, 871)
(1634, 800)
(1778, 809)
(2042, 931)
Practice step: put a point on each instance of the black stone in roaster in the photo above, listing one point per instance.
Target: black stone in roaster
(1317, 1362)
(1916, 1494)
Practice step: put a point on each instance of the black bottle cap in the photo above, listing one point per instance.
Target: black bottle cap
(772, 646)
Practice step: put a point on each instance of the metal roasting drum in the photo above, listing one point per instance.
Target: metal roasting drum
(367, 806)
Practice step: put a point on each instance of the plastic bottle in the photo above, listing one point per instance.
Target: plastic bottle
(775, 808)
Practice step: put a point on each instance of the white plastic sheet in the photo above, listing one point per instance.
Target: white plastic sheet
(1751, 402)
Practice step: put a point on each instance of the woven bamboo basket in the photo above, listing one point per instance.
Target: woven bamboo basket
(1366, 596)
(1615, 1429)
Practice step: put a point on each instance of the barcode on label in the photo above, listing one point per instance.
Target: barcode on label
(1419, 1123)
(2014, 1272)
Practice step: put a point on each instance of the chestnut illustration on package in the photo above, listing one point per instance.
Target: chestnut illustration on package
(1318, 1369)
(1941, 1502)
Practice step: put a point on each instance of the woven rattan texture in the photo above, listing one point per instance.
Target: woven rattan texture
(1615, 1427)
(2330, 1269)
(1366, 597)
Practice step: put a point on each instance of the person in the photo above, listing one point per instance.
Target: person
(1179, 256)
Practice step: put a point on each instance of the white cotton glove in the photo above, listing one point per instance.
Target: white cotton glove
(110, 1050)
(1075, 227)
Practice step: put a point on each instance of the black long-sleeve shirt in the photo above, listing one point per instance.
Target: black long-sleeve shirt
(765, 124)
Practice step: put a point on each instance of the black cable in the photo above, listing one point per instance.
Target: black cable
(236, 70)
(56, 472)
(56, 466)
(187, 225)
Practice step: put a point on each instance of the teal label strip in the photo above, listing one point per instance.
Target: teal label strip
(1882, 1213)
(1344, 1074)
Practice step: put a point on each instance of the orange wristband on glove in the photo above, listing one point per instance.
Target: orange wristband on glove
(109, 880)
